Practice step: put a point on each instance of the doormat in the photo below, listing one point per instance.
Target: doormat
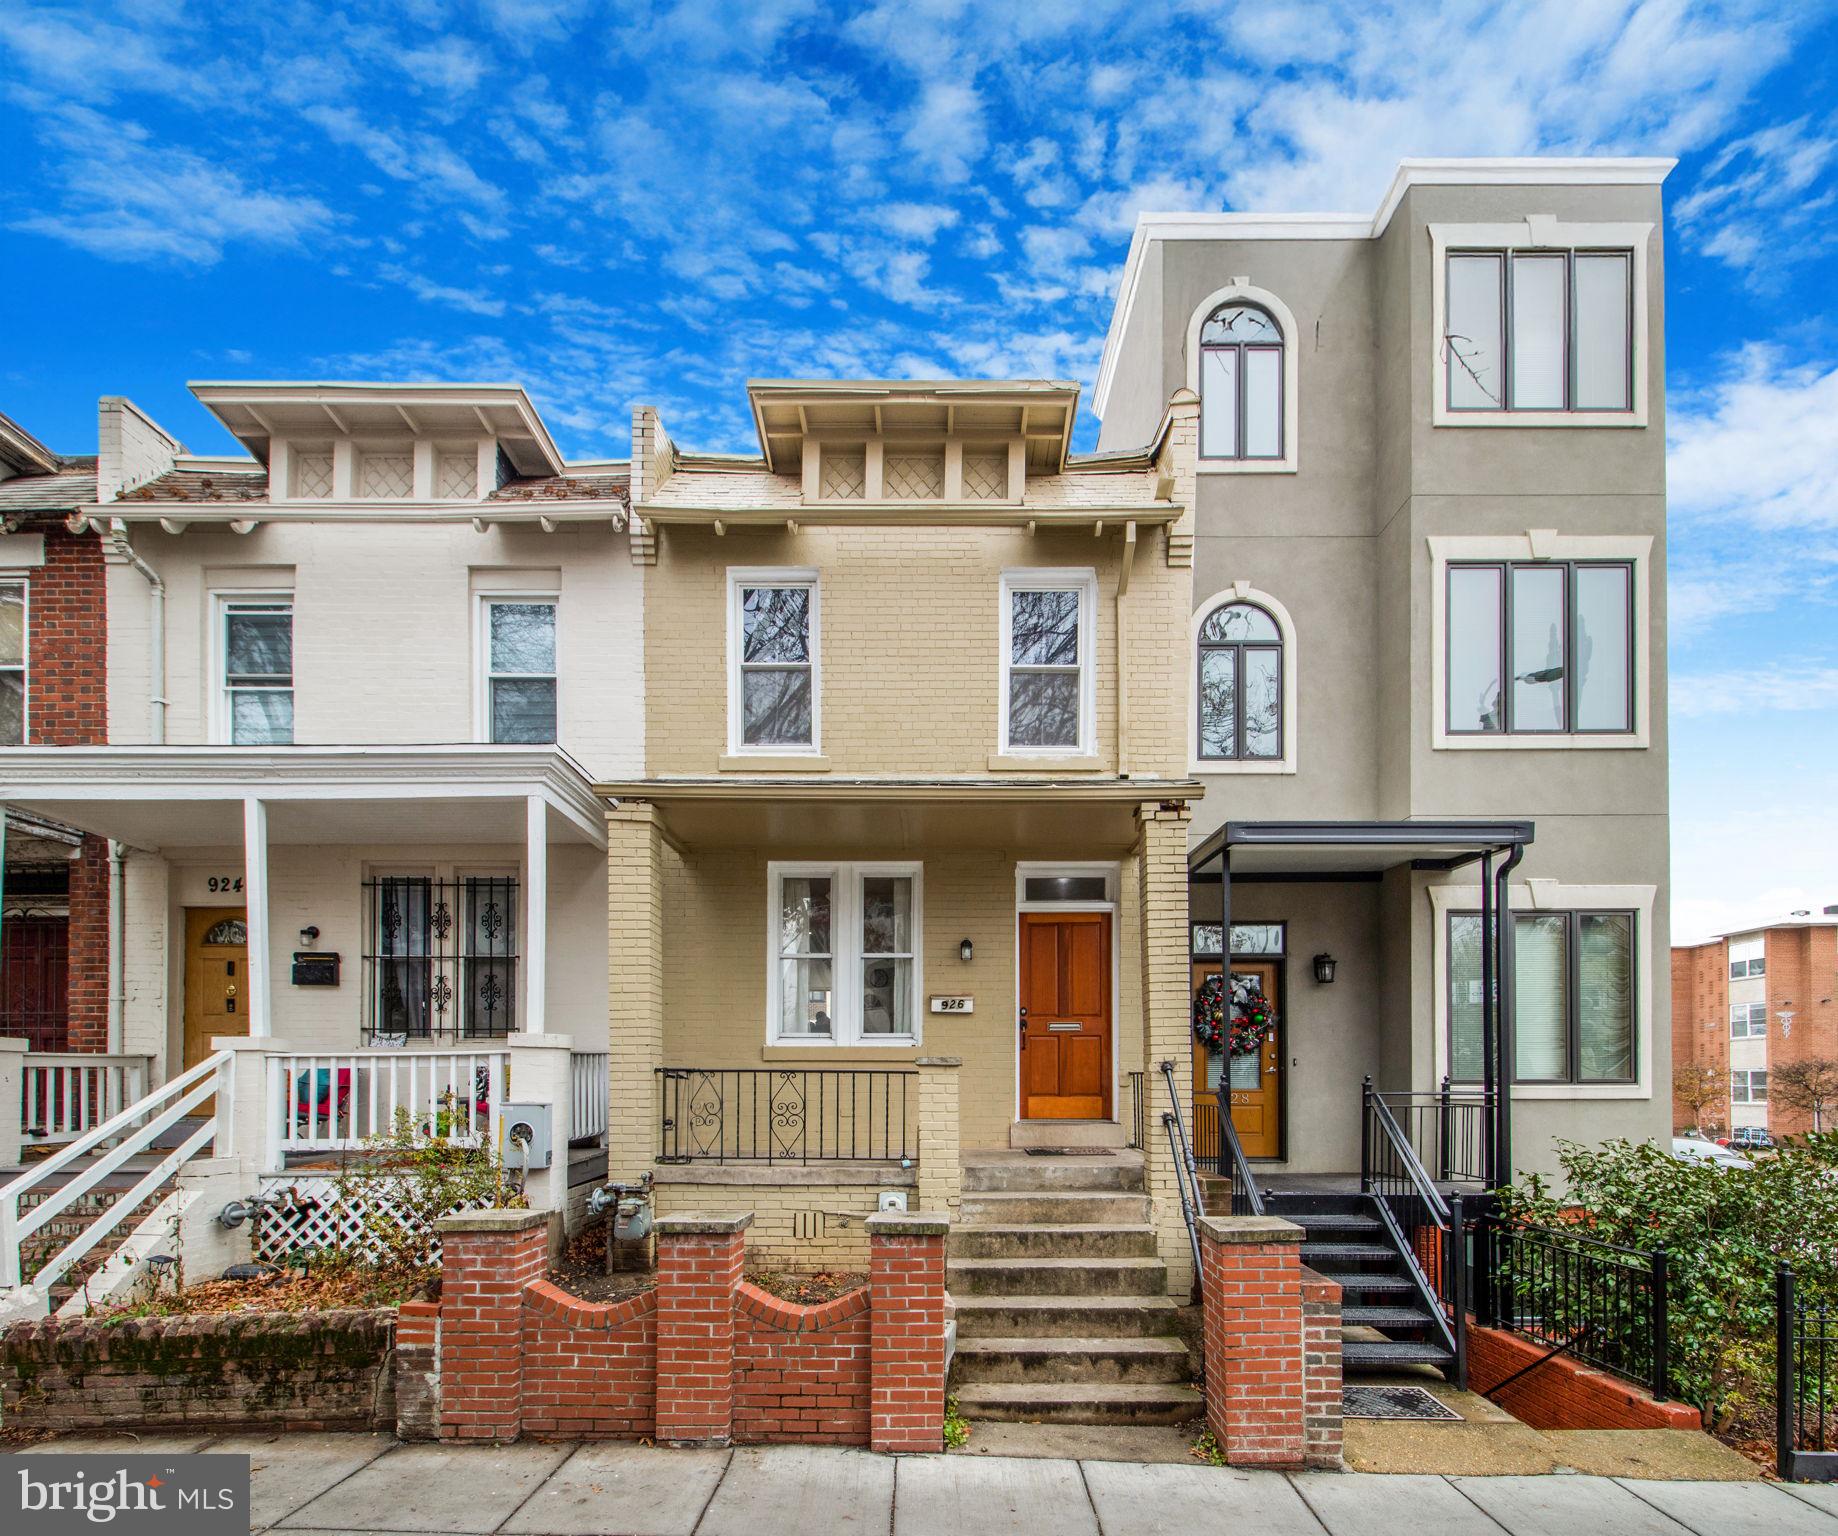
(1068, 1152)
(1394, 1403)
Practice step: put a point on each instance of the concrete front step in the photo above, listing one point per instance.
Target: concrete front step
(1054, 1208)
(1017, 1173)
(1067, 1133)
(1093, 1241)
(1072, 1359)
(1063, 1316)
(1081, 1402)
(1056, 1277)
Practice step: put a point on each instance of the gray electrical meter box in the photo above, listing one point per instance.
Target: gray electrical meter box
(529, 1135)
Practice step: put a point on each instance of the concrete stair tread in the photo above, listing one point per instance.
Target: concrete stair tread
(1152, 1313)
(1081, 1402)
(1146, 1344)
(1066, 1228)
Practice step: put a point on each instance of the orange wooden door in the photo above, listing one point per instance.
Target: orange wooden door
(216, 978)
(1065, 992)
(1254, 1081)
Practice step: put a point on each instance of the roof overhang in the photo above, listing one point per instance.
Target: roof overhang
(1538, 171)
(1350, 847)
(257, 411)
(901, 514)
(21, 452)
(1040, 411)
(154, 798)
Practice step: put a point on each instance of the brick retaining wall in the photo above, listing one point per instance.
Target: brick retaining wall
(1563, 1393)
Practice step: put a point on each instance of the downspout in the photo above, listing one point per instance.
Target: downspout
(156, 628)
(1123, 649)
(117, 962)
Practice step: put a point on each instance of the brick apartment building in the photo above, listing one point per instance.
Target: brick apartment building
(54, 906)
(1748, 1004)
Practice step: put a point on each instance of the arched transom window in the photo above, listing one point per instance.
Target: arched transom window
(1241, 684)
(1241, 384)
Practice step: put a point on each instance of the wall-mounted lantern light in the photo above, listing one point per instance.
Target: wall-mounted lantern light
(1324, 968)
(965, 949)
(309, 936)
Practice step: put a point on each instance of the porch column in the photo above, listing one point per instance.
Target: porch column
(1167, 1013)
(635, 992)
(536, 913)
(255, 900)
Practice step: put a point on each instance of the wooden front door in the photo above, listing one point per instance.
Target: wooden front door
(35, 981)
(1065, 1016)
(216, 978)
(1255, 1080)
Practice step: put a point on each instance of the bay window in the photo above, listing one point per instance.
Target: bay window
(844, 954)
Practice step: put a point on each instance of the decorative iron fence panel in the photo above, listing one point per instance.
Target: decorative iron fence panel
(785, 1115)
(440, 957)
(1806, 1417)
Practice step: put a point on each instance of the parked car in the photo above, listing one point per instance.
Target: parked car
(1694, 1149)
(1748, 1138)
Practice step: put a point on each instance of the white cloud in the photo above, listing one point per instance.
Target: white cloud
(914, 221)
(471, 301)
(945, 129)
(1759, 447)
(1778, 685)
(452, 65)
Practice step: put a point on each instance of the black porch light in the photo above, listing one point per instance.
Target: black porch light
(965, 949)
(1324, 968)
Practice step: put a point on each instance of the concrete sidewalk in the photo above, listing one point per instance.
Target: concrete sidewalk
(364, 1485)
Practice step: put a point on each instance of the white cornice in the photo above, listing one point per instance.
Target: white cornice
(597, 509)
(1546, 171)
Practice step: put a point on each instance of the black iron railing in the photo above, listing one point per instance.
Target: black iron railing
(784, 1115)
(1137, 1109)
(441, 958)
(1217, 1150)
(1806, 1416)
(1600, 1303)
(1447, 1129)
(1427, 1227)
(1186, 1174)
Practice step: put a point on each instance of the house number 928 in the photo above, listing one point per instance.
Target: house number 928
(225, 883)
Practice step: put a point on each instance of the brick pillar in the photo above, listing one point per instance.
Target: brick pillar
(487, 1258)
(906, 1278)
(941, 1172)
(1167, 1019)
(1252, 1294)
(418, 1371)
(87, 994)
(700, 1260)
(1322, 1374)
(635, 990)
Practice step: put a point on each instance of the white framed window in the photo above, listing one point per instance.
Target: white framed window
(1748, 1020)
(1242, 346)
(15, 649)
(255, 656)
(1749, 1087)
(843, 945)
(1540, 641)
(1241, 689)
(1539, 323)
(774, 667)
(517, 670)
(1049, 689)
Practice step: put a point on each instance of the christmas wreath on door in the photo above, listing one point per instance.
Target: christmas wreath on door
(1250, 1023)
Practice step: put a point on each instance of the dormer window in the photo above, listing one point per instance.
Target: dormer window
(385, 472)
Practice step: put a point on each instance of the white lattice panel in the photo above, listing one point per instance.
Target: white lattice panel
(986, 476)
(456, 476)
(310, 1213)
(386, 474)
(313, 475)
(914, 476)
(845, 474)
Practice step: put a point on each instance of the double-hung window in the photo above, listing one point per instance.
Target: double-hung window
(520, 679)
(258, 671)
(1540, 647)
(1048, 693)
(1748, 1020)
(773, 704)
(1573, 993)
(1749, 1087)
(844, 954)
(13, 647)
(1757, 966)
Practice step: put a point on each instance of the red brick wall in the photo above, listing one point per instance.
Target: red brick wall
(1561, 1393)
(907, 1274)
(482, 1279)
(1253, 1335)
(801, 1373)
(589, 1368)
(697, 1276)
(1803, 981)
(1322, 1374)
(1701, 1025)
(89, 968)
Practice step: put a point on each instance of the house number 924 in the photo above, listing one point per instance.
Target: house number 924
(225, 883)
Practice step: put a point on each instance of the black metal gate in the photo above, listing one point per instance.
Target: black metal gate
(1806, 1419)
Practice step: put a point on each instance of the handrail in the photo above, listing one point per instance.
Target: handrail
(1445, 1294)
(1184, 1169)
(1407, 1155)
(1241, 1165)
(160, 1110)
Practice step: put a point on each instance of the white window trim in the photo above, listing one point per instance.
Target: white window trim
(221, 599)
(1113, 880)
(1540, 544)
(846, 963)
(1239, 290)
(1243, 592)
(773, 576)
(1538, 232)
(1748, 1076)
(481, 653)
(19, 578)
(1551, 896)
(1083, 579)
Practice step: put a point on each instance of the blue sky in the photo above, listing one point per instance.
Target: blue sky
(653, 202)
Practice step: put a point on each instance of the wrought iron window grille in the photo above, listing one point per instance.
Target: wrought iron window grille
(442, 958)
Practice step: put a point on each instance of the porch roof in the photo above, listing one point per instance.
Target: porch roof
(154, 797)
(1062, 817)
(1329, 848)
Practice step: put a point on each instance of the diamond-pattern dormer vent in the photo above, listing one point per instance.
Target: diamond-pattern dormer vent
(312, 474)
(914, 476)
(456, 476)
(845, 474)
(386, 474)
(986, 476)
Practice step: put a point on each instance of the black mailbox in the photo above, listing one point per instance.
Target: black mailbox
(315, 968)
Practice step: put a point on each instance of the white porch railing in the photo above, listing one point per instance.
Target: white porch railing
(63, 1094)
(336, 1101)
(103, 1150)
(588, 1088)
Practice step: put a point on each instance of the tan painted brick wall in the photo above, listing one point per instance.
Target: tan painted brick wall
(635, 886)
(1162, 871)
(795, 1226)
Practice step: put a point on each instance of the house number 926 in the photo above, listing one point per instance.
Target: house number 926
(225, 883)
